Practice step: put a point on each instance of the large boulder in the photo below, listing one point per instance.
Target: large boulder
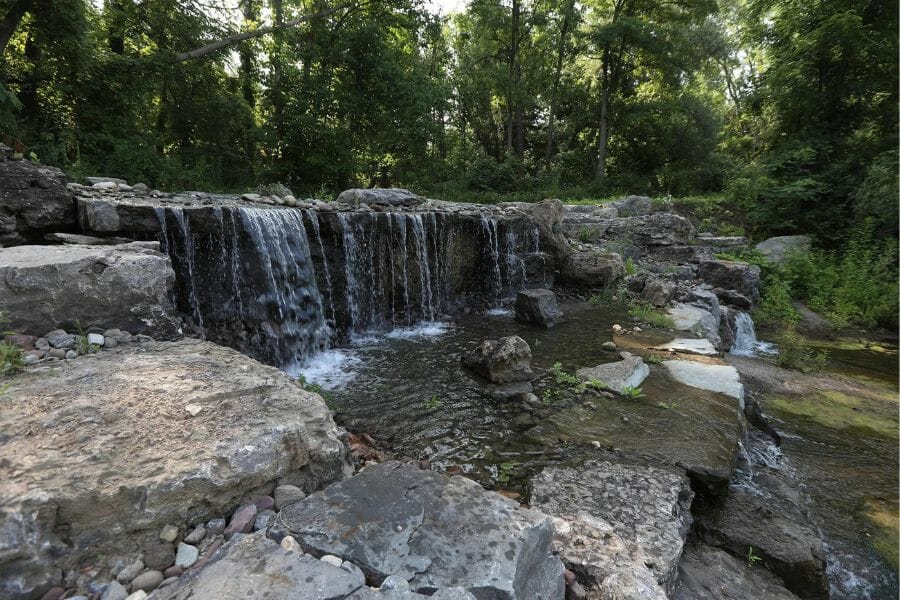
(549, 214)
(777, 249)
(632, 206)
(127, 286)
(506, 360)
(433, 530)
(629, 372)
(380, 196)
(538, 306)
(33, 199)
(620, 527)
(741, 277)
(98, 456)
(647, 231)
(593, 269)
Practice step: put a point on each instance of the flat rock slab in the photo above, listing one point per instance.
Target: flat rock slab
(690, 346)
(433, 530)
(706, 573)
(626, 527)
(630, 372)
(105, 446)
(688, 318)
(127, 286)
(723, 379)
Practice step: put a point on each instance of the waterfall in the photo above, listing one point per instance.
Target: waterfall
(317, 231)
(745, 342)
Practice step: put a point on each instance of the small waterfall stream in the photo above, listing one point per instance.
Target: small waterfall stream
(745, 342)
(285, 284)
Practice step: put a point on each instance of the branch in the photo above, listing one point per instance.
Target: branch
(259, 32)
(11, 22)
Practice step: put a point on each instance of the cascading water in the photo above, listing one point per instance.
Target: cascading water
(284, 284)
(745, 342)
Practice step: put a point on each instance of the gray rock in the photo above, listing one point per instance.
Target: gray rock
(285, 495)
(95, 339)
(628, 372)
(689, 346)
(70, 354)
(215, 527)
(609, 346)
(632, 206)
(741, 277)
(436, 531)
(506, 360)
(130, 571)
(43, 287)
(169, 533)
(92, 181)
(619, 527)
(657, 291)
(186, 555)
(160, 478)
(114, 591)
(196, 535)
(33, 198)
(709, 574)
(380, 196)
(241, 521)
(85, 240)
(58, 338)
(593, 269)
(538, 306)
(253, 566)
(147, 581)
(777, 249)
(723, 379)
(264, 519)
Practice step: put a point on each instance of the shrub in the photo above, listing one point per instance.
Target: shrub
(12, 358)
(795, 353)
(646, 313)
(775, 306)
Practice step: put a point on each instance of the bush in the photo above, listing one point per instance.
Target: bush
(794, 353)
(11, 358)
(776, 307)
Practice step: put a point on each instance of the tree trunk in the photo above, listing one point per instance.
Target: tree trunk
(11, 22)
(511, 85)
(603, 140)
(557, 76)
(250, 10)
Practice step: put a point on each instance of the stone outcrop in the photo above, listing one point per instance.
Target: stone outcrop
(126, 286)
(777, 249)
(432, 530)
(646, 232)
(593, 269)
(33, 200)
(538, 306)
(689, 346)
(619, 526)
(706, 573)
(732, 276)
(629, 372)
(506, 360)
(101, 454)
(632, 206)
(380, 197)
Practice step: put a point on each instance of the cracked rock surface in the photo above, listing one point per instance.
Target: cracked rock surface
(432, 530)
(620, 527)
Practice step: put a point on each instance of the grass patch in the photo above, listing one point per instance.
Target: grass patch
(646, 313)
(885, 518)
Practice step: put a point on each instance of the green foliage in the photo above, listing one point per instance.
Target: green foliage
(775, 306)
(653, 359)
(666, 406)
(645, 312)
(506, 470)
(595, 384)
(752, 559)
(432, 403)
(795, 353)
(632, 392)
(12, 358)
(630, 268)
(585, 234)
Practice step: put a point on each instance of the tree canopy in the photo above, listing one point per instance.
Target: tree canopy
(788, 106)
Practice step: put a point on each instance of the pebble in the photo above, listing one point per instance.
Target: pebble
(169, 534)
(70, 354)
(241, 521)
(95, 339)
(173, 571)
(54, 593)
(609, 346)
(637, 329)
(138, 595)
(193, 409)
(331, 559)
(596, 444)
(147, 581)
(186, 555)
(292, 545)
(285, 495)
(215, 527)
(159, 556)
(264, 502)
(617, 329)
(114, 591)
(56, 353)
(60, 339)
(41, 344)
(196, 535)
(130, 571)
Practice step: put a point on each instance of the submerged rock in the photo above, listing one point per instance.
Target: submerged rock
(128, 286)
(114, 460)
(620, 527)
(723, 379)
(538, 306)
(506, 360)
(433, 530)
(628, 372)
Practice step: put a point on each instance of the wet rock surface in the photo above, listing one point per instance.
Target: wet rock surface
(433, 531)
(623, 524)
(506, 360)
(709, 574)
(94, 472)
(127, 286)
(629, 372)
(538, 306)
